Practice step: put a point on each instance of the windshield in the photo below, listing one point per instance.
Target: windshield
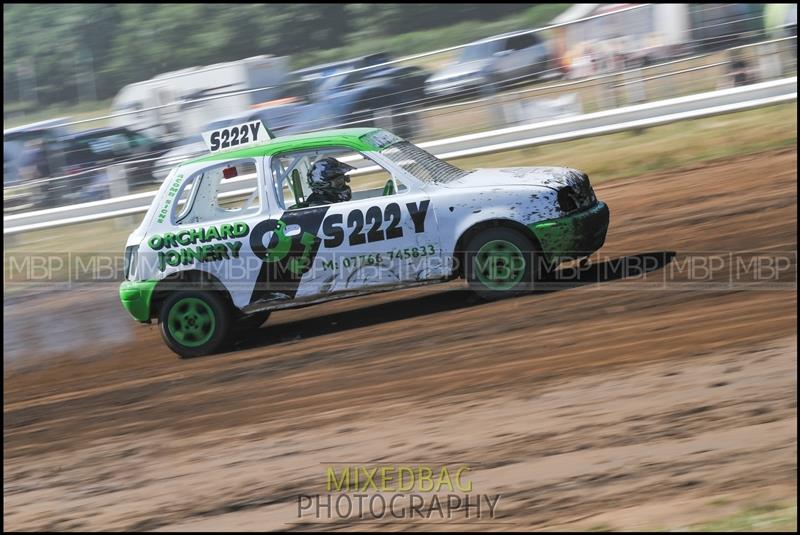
(421, 164)
(478, 51)
(338, 82)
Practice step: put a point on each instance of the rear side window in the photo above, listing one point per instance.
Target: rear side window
(80, 153)
(105, 146)
(182, 206)
(210, 195)
(138, 140)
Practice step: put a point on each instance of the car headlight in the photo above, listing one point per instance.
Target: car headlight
(566, 199)
(578, 195)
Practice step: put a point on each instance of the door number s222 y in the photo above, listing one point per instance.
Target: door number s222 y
(367, 227)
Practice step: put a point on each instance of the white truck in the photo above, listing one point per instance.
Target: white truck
(176, 105)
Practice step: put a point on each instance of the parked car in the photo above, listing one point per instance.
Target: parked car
(315, 75)
(52, 166)
(499, 60)
(103, 146)
(369, 94)
(720, 26)
(16, 139)
(30, 153)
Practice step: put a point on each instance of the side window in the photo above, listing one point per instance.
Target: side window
(206, 196)
(119, 143)
(290, 173)
(181, 207)
(79, 153)
(353, 78)
(521, 41)
(376, 183)
(109, 145)
(138, 140)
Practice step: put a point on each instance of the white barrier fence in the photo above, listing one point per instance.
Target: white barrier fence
(604, 122)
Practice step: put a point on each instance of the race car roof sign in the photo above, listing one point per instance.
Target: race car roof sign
(236, 136)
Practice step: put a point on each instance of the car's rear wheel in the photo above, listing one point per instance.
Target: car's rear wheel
(195, 323)
(501, 262)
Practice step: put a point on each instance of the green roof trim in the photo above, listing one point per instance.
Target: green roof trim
(347, 137)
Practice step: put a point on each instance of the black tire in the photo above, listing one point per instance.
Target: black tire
(485, 263)
(253, 321)
(200, 337)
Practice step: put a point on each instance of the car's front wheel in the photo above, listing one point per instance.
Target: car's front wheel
(195, 323)
(501, 262)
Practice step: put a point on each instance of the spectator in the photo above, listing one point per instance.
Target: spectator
(738, 69)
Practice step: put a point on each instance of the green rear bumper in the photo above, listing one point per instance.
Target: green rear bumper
(136, 297)
(573, 236)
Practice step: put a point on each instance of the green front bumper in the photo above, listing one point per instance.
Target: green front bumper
(573, 236)
(136, 297)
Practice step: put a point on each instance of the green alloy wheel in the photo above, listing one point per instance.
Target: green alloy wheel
(191, 322)
(499, 265)
(500, 262)
(194, 323)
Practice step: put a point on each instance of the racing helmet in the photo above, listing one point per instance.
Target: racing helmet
(328, 177)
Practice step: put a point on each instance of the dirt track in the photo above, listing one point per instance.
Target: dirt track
(630, 402)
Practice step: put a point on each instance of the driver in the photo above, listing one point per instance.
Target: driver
(328, 181)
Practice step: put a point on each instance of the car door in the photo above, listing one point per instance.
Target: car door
(523, 55)
(378, 238)
(539, 56)
(204, 222)
(378, 241)
(504, 61)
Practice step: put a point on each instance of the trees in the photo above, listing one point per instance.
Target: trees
(69, 52)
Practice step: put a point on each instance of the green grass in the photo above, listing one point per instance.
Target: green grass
(759, 518)
(659, 148)
(600, 527)
(86, 110)
(719, 502)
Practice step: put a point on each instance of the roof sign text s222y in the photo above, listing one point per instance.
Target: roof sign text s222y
(237, 136)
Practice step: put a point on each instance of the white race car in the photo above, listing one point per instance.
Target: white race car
(231, 235)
